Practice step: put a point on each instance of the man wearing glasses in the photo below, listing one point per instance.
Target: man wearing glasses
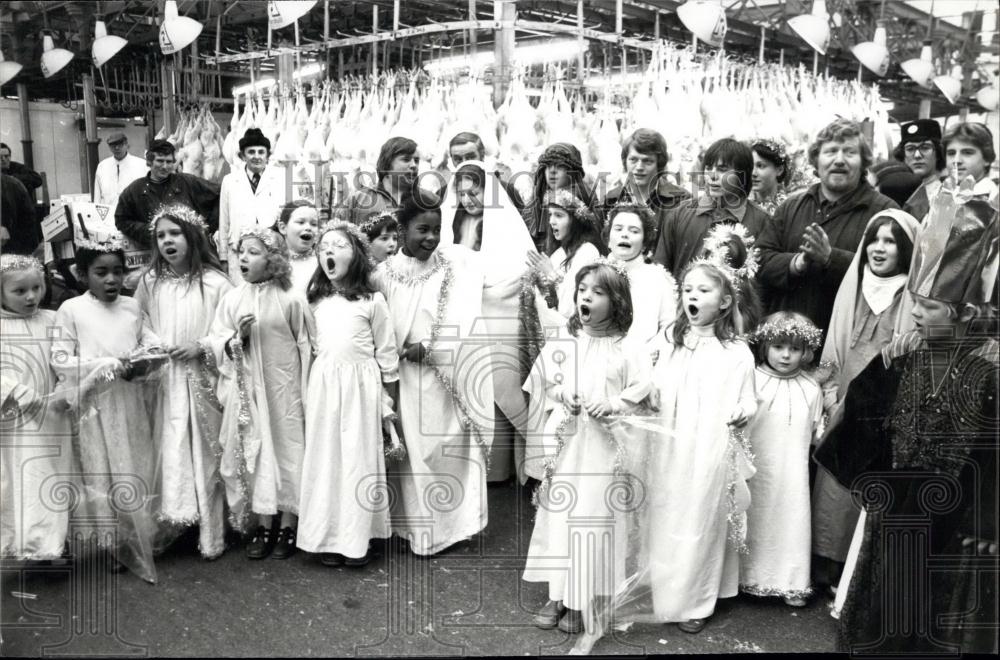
(921, 150)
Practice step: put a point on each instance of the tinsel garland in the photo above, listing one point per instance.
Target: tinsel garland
(239, 519)
(443, 379)
(738, 442)
(392, 446)
(758, 590)
(549, 471)
(204, 396)
(531, 331)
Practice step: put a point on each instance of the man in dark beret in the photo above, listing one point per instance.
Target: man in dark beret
(920, 149)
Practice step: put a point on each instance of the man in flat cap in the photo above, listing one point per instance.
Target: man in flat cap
(920, 149)
(251, 196)
(141, 198)
(116, 172)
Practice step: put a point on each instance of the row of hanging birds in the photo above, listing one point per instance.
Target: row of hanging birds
(691, 101)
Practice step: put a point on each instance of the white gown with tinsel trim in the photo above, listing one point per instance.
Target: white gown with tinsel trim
(789, 418)
(302, 271)
(654, 303)
(188, 413)
(36, 448)
(694, 472)
(262, 388)
(345, 501)
(446, 405)
(578, 542)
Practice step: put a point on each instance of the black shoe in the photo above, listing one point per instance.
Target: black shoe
(358, 562)
(261, 544)
(331, 559)
(284, 547)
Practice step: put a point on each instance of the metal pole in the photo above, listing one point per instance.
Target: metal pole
(326, 33)
(27, 156)
(503, 49)
(763, 39)
(90, 124)
(375, 44)
(580, 41)
(925, 109)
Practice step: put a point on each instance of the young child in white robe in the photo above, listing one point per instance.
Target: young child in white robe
(630, 233)
(262, 337)
(697, 472)
(180, 292)
(789, 420)
(298, 223)
(383, 236)
(344, 503)
(115, 445)
(445, 393)
(588, 378)
(34, 422)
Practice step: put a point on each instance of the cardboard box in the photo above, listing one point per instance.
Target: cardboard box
(56, 226)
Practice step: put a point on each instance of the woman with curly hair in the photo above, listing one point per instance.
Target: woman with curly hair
(262, 390)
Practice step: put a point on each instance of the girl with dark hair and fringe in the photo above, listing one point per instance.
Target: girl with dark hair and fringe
(575, 229)
(772, 170)
(395, 174)
(584, 391)
(180, 292)
(353, 386)
(299, 223)
(262, 341)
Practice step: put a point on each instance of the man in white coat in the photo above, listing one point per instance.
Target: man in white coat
(251, 196)
(114, 174)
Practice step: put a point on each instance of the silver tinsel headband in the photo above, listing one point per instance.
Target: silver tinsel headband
(375, 219)
(274, 243)
(613, 265)
(114, 244)
(10, 263)
(347, 228)
(178, 212)
(716, 248)
(563, 198)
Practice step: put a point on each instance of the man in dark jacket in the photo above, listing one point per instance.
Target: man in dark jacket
(21, 231)
(644, 159)
(920, 149)
(806, 249)
(140, 200)
(728, 166)
(29, 178)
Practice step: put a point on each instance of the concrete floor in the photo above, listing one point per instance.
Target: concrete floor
(467, 601)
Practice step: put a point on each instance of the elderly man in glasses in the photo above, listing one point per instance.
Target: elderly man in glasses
(921, 151)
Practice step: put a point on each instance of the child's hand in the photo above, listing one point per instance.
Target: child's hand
(189, 351)
(415, 352)
(601, 408)
(246, 321)
(738, 419)
(572, 401)
(536, 261)
(124, 369)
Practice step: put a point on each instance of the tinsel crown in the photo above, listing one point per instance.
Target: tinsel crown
(616, 266)
(564, 199)
(797, 329)
(178, 212)
(716, 251)
(10, 263)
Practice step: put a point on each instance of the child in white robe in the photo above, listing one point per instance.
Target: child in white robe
(115, 446)
(588, 379)
(789, 420)
(445, 392)
(298, 223)
(344, 502)
(180, 292)
(35, 426)
(262, 338)
(383, 236)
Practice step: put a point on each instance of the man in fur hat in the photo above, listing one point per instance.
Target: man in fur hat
(251, 196)
(920, 149)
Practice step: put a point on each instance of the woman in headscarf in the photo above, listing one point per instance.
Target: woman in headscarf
(559, 167)
(872, 307)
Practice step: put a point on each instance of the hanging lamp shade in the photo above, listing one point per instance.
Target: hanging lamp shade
(988, 97)
(814, 27)
(53, 59)
(285, 12)
(706, 19)
(873, 54)
(177, 32)
(105, 46)
(921, 69)
(8, 70)
(950, 85)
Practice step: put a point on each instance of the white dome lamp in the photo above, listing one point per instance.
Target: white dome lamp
(284, 13)
(53, 59)
(814, 27)
(177, 32)
(921, 69)
(8, 70)
(105, 46)
(706, 19)
(988, 97)
(873, 54)
(951, 85)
